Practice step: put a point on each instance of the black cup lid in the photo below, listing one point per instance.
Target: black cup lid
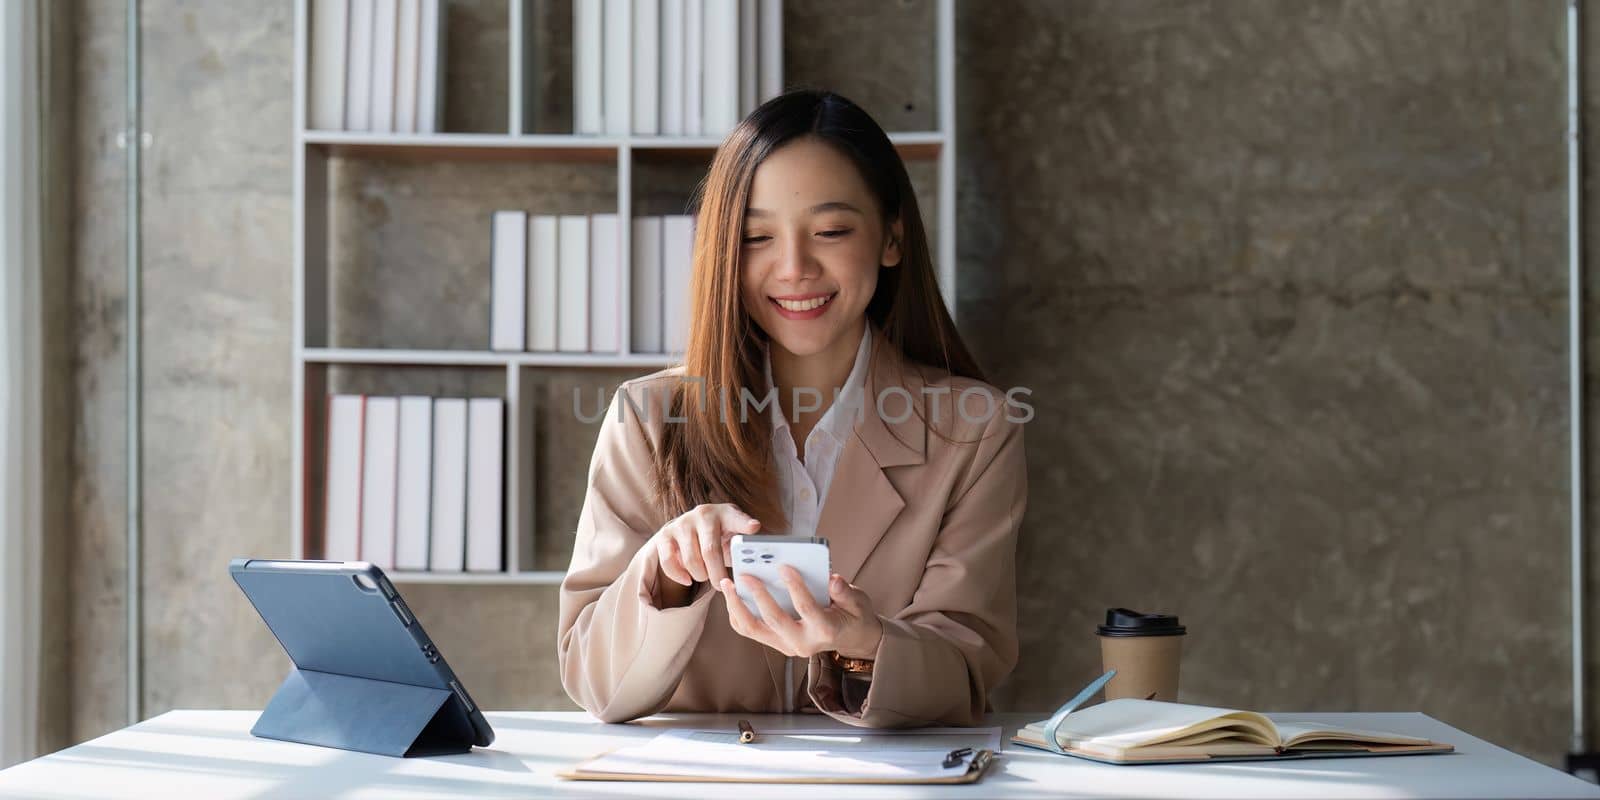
(1127, 622)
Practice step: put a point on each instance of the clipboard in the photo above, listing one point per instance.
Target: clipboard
(702, 756)
(975, 769)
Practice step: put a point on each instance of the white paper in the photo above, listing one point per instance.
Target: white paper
(799, 754)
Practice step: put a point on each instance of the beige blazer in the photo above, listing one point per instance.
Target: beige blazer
(925, 526)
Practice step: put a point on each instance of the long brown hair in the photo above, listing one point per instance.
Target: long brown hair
(713, 456)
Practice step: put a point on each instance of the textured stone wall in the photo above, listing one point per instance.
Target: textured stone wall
(1287, 280)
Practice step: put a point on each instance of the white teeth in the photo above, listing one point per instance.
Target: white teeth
(803, 305)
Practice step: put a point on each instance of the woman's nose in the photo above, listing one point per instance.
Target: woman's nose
(794, 262)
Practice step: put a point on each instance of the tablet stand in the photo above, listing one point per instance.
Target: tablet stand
(367, 715)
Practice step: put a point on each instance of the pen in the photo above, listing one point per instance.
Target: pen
(747, 734)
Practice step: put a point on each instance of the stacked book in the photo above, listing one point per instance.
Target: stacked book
(673, 67)
(557, 283)
(415, 483)
(377, 65)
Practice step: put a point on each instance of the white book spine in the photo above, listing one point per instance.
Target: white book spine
(645, 327)
(693, 67)
(572, 335)
(358, 67)
(605, 284)
(385, 36)
(720, 73)
(380, 472)
(747, 57)
(415, 484)
(617, 74)
(671, 67)
(341, 529)
(430, 68)
(647, 67)
(447, 531)
(508, 287)
(408, 54)
(543, 260)
(330, 30)
(587, 66)
(771, 50)
(677, 246)
(485, 498)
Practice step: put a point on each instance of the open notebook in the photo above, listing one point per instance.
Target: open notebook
(1131, 731)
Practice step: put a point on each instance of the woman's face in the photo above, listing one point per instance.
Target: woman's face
(812, 244)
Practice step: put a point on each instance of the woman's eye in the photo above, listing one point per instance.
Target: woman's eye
(834, 234)
(755, 239)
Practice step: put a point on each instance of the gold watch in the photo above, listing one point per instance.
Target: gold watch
(857, 665)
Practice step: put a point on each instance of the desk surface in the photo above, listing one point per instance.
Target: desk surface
(211, 754)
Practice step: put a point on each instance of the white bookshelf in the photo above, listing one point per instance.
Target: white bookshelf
(315, 149)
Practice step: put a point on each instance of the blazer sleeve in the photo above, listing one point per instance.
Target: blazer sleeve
(941, 656)
(620, 656)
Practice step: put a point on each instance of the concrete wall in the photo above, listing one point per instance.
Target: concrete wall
(1287, 281)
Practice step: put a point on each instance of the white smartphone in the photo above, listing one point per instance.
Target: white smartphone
(761, 555)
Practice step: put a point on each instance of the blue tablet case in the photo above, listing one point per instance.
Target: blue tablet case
(365, 676)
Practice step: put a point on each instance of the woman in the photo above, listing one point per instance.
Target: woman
(811, 277)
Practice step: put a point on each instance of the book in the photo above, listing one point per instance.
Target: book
(645, 323)
(543, 259)
(430, 68)
(770, 80)
(693, 55)
(341, 524)
(671, 68)
(587, 65)
(358, 67)
(748, 75)
(677, 245)
(605, 284)
(447, 527)
(719, 74)
(385, 37)
(415, 483)
(646, 67)
(330, 24)
(508, 291)
(407, 55)
(379, 471)
(485, 471)
(616, 73)
(572, 284)
(1133, 731)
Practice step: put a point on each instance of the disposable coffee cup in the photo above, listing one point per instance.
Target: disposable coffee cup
(1145, 650)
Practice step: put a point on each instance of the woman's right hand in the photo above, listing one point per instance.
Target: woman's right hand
(695, 546)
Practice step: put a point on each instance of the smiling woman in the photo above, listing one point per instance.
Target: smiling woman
(811, 279)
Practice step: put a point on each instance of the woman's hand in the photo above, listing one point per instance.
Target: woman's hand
(694, 547)
(848, 625)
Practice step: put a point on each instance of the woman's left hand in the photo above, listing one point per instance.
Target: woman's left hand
(848, 625)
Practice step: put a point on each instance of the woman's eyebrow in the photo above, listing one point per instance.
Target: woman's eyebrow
(831, 205)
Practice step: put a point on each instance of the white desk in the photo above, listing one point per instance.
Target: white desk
(211, 754)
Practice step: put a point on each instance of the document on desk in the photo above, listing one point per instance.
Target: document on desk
(800, 756)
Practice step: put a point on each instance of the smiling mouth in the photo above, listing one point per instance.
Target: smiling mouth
(808, 304)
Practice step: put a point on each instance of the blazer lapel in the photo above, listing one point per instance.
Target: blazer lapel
(862, 503)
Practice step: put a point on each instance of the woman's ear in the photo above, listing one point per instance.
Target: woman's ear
(891, 245)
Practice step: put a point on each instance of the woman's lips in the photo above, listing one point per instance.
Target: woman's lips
(803, 307)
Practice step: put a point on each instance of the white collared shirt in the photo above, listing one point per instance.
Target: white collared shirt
(803, 487)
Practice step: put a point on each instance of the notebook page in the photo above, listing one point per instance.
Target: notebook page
(1130, 722)
(1293, 732)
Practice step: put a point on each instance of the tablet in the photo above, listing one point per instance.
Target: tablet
(345, 618)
